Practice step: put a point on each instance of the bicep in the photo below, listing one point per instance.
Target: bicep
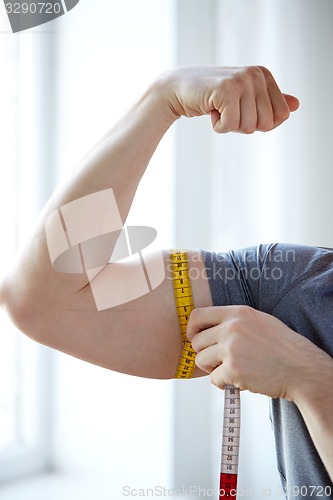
(140, 337)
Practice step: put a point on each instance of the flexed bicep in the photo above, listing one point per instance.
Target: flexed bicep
(140, 336)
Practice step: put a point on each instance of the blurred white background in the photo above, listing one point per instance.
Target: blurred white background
(73, 431)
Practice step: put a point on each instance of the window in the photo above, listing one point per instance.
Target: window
(8, 175)
(24, 366)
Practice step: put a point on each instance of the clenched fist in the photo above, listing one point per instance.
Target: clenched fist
(242, 99)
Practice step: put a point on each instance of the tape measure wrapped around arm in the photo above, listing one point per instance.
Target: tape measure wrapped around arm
(179, 263)
(180, 273)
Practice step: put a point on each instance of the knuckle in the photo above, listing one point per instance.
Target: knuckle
(265, 126)
(231, 85)
(244, 310)
(254, 72)
(248, 129)
(235, 326)
(266, 73)
(242, 316)
(228, 124)
(251, 77)
(238, 310)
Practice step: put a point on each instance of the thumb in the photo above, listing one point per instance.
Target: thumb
(293, 102)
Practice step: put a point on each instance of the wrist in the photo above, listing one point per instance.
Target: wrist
(314, 382)
(164, 94)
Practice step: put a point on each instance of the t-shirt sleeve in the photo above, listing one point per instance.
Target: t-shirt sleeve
(292, 282)
(238, 277)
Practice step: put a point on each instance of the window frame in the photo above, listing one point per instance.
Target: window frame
(32, 452)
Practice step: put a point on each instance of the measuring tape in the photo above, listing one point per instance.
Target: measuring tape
(230, 442)
(180, 274)
(184, 303)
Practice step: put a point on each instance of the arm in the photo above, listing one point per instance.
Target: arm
(252, 350)
(313, 396)
(58, 309)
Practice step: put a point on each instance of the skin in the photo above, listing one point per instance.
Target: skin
(141, 337)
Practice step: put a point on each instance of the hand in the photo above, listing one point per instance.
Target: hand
(238, 99)
(252, 350)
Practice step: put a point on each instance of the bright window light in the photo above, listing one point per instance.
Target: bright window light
(9, 346)
(24, 369)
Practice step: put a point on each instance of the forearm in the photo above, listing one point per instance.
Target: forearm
(315, 402)
(119, 160)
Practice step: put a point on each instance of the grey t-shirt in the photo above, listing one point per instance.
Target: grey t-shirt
(295, 284)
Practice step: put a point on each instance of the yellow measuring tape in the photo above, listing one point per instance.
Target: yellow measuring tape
(179, 261)
(180, 274)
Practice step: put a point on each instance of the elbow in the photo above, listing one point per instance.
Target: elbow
(18, 308)
(30, 311)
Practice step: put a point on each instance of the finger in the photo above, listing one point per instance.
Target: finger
(218, 377)
(204, 339)
(215, 116)
(229, 117)
(292, 101)
(248, 114)
(281, 111)
(206, 317)
(209, 359)
(265, 120)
